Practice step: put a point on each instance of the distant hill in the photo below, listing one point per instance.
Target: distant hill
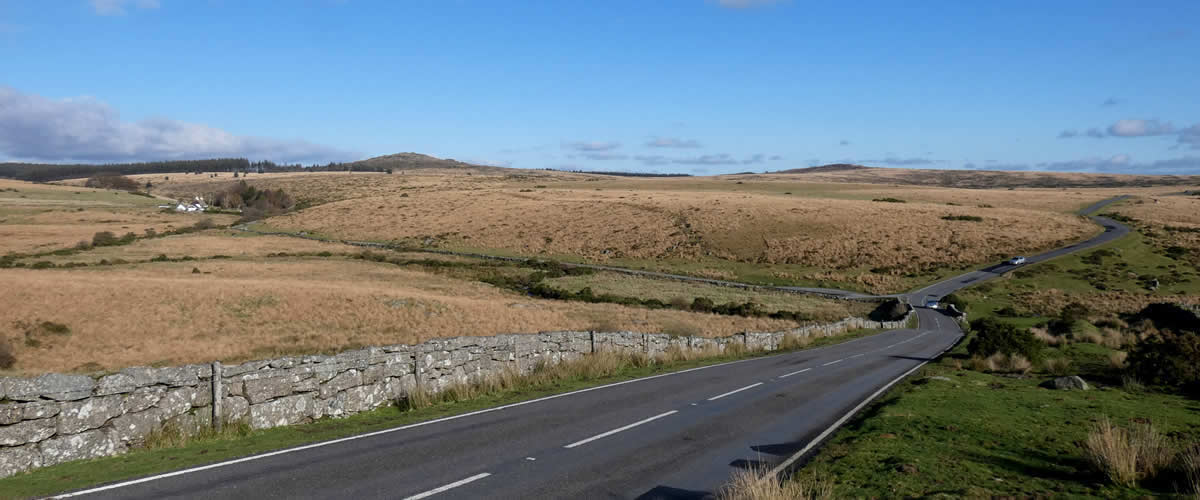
(835, 167)
(976, 179)
(412, 161)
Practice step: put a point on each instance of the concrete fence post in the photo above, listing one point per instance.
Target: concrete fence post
(218, 393)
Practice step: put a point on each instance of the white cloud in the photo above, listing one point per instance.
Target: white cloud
(116, 7)
(1139, 128)
(37, 128)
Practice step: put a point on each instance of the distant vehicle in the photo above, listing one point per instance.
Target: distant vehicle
(1016, 261)
(932, 304)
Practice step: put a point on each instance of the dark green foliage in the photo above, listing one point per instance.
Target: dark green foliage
(969, 218)
(889, 200)
(108, 180)
(1167, 316)
(994, 336)
(1097, 258)
(702, 304)
(104, 239)
(1068, 318)
(43, 172)
(44, 264)
(955, 300)
(890, 310)
(1168, 359)
(7, 358)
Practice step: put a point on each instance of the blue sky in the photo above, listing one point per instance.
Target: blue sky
(694, 86)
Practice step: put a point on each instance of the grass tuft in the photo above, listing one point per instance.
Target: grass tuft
(748, 484)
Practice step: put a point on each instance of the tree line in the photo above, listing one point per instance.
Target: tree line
(44, 172)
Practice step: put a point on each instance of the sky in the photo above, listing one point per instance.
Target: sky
(685, 86)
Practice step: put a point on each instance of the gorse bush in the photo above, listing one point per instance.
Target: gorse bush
(993, 336)
(968, 218)
(111, 181)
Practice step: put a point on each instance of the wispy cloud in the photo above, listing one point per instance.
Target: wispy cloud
(1110, 102)
(592, 146)
(892, 160)
(672, 142)
(117, 7)
(1131, 127)
(601, 156)
(1124, 164)
(33, 127)
(1190, 136)
(713, 159)
(843, 142)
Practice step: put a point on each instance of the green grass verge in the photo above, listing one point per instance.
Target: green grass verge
(143, 462)
(985, 436)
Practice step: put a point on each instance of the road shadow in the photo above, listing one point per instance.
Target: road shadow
(913, 358)
(669, 493)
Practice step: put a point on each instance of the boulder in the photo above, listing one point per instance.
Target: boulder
(90, 414)
(1072, 382)
(29, 431)
(54, 386)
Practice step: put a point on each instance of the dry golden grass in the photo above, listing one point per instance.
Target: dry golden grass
(41, 217)
(750, 485)
(670, 291)
(1175, 219)
(243, 309)
(203, 244)
(827, 234)
(1001, 363)
(1050, 301)
(1058, 366)
(1126, 456)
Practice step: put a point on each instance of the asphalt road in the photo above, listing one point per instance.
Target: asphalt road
(671, 436)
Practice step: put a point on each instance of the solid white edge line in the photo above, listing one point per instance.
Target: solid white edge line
(833, 362)
(821, 437)
(735, 391)
(428, 422)
(450, 486)
(786, 375)
(620, 429)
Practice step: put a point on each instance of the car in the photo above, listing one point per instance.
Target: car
(1016, 261)
(931, 303)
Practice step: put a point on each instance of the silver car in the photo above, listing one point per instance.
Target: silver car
(1016, 261)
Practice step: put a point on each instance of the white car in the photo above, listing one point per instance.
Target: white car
(1016, 261)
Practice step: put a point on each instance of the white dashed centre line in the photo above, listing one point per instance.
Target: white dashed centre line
(794, 373)
(719, 396)
(619, 429)
(833, 362)
(450, 486)
(858, 355)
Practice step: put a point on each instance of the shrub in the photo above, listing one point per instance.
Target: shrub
(993, 336)
(42, 264)
(702, 304)
(108, 180)
(889, 310)
(7, 358)
(104, 239)
(748, 484)
(955, 300)
(968, 218)
(1168, 359)
(889, 200)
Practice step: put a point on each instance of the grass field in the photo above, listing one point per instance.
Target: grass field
(968, 434)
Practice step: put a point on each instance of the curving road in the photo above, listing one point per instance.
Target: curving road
(672, 436)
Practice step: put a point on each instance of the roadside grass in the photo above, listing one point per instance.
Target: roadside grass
(172, 451)
(980, 435)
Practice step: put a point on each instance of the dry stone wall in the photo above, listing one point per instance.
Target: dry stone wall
(55, 418)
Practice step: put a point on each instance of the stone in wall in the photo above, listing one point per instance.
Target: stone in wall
(29, 431)
(288, 410)
(90, 444)
(79, 416)
(19, 459)
(54, 386)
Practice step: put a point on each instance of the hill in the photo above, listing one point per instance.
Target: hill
(975, 179)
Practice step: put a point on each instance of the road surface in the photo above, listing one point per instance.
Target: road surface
(673, 436)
